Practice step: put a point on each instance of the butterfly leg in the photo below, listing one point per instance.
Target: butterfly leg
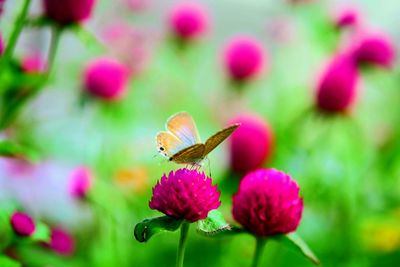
(209, 166)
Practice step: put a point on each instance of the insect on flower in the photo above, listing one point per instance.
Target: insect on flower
(181, 142)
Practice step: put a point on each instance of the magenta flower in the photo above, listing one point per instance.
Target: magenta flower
(376, 50)
(22, 224)
(268, 203)
(106, 79)
(80, 182)
(337, 88)
(2, 2)
(68, 11)
(1, 44)
(188, 20)
(185, 194)
(62, 242)
(251, 144)
(347, 17)
(33, 64)
(244, 58)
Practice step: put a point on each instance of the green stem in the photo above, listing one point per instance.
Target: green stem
(19, 25)
(54, 43)
(259, 249)
(182, 243)
(14, 106)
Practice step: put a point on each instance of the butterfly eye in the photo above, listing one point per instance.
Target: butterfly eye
(161, 148)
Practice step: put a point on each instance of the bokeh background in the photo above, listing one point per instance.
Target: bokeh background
(347, 165)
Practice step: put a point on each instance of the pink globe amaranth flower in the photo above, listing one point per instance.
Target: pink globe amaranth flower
(1, 44)
(268, 203)
(188, 20)
(61, 242)
(244, 58)
(251, 144)
(348, 17)
(68, 11)
(337, 87)
(185, 194)
(106, 78)
(22, 224)
(80, 182)
(375, 50)
(2, 2)
(33, 64)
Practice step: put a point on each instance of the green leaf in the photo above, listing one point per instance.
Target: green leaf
(149, 227)
(13, 150)
(8, 262)
(295, 242)
(213, 225)
(42, 233)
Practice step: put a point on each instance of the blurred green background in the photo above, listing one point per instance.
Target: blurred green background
(348, 167)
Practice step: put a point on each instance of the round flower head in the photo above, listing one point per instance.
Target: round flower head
(61, 242)
(251, 144)
(33, 64)
(68, 11)
(188, 20)
(348, 17)
(22, 224)
(337, 87)
(268, 203)
(80, 182)
(106, 78)
(185, 194)
(243, 58)
(375, 50)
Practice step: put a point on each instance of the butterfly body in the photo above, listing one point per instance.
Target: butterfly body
(181, 142)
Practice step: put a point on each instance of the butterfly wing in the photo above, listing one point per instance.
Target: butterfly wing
(218, 138)
(183, 127)
(168, 144)
(189, 155)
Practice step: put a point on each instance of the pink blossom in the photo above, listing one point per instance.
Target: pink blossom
(185, 194)
(251, 144)
(68, 11)
(244, 58)
(22, 224)
(268, 203)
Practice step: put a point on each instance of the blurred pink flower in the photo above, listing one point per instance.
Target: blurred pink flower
(1, 44)
(130, 45)
(268, 203)
(251, 144)
(244, 58)
(62, 242)
(188, 20)
(185, 194)
(68, 11)
(22, 224)
(80, 182)
(2, 2)
(33, 63)
(346, 17)
(106, 78)
(375, 49)
(337, 87)
(137, 5)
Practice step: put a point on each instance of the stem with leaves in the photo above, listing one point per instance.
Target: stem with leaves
(182, 244)
(260, 244)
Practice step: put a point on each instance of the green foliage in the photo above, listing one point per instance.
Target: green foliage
(212, 225)
(150, 227)
(8, 262)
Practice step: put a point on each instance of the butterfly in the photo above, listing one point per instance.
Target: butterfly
(181, 142)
